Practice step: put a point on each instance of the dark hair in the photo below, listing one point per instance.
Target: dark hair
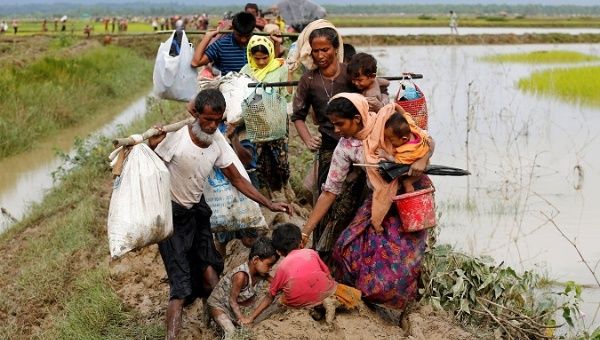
(243, 23)
(328, 33)
(263, 249)
(212, 98)
(398, 123)
(349, 51)
(286, 237)
(251, 5)
(259, 48)
(362, 64)
(342, 107)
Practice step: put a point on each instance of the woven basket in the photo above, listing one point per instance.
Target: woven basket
(417, 108)
(265, 116)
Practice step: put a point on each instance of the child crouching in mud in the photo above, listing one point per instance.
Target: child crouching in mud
(237, 288)
(303, 279)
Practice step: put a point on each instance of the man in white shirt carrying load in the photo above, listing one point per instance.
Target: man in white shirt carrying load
(192, 263)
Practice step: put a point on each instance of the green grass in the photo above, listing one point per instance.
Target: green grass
(49, 94)
(579, 84)
(542, 57)
(55, 282)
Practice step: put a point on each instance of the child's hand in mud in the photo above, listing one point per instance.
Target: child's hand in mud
(245, 321)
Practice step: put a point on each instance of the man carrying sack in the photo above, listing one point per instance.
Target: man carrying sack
(191, 261)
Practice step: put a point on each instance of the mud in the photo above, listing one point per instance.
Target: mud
(140, 280)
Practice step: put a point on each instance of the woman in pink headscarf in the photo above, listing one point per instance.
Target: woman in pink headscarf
(371, 254)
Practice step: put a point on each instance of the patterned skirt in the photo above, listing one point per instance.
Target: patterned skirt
(386, 267)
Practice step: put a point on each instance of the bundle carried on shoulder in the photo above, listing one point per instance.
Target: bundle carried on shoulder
(174, 78)
(234, 87)
(140, 206)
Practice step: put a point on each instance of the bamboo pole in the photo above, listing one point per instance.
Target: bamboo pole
(153, 132)
(287, 35)
(295, 82)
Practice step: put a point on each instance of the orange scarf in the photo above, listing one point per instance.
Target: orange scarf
(373, 139)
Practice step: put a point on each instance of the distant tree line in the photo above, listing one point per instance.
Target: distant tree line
(145, 9)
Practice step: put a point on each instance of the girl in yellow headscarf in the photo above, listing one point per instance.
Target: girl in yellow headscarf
(272, 165)
(262, 64)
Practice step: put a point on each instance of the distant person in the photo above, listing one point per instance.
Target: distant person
(113, 23)
(55, 24)
(162, 22)
(106, 21)
(349, 51)
(228, 53)
(154, 25)
(2, 28)
(45, 25)
(362, 69)
(453, 23)
(15, 25)
(63, 23)
(203, 22)
(87, 31)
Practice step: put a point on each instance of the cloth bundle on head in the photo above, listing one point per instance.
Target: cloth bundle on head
(274, 63)
(372, 136)
(303, 51)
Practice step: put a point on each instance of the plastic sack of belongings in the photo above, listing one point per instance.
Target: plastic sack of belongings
(231, 210)
(173, 77)
(234, 87)
(140, 206)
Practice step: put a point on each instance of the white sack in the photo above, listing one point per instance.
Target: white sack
(174, 77)
(231, 210)
(234, 87)
(140, 206)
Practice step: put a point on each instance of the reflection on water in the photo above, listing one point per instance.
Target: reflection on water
(462, 30)
(26, 178)
(533, 160)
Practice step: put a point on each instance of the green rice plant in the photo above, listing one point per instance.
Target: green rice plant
(581, 84)
(542, 57)
(41, 98)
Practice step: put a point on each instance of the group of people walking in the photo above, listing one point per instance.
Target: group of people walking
(357, 246)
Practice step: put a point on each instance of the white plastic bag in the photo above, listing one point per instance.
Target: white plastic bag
(231, 210)
(140, 207)
(174, 77)
(234, 87)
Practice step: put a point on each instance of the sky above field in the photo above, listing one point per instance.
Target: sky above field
(322, 2)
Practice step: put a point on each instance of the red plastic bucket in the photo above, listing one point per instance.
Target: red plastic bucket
(416, 210)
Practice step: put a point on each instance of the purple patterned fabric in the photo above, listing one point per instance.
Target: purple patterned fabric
(386, 267)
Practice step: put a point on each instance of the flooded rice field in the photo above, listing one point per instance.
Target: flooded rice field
(535, 182)
(26, 177)
(462, 30)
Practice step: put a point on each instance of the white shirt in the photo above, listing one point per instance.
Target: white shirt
(190, 165)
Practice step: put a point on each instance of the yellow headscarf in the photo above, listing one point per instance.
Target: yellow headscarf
(274, 63)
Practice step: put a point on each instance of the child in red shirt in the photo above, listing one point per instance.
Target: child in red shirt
(303, 279)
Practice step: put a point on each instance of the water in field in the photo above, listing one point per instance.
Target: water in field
(534, 160)
(26, 177)
(344, 31)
